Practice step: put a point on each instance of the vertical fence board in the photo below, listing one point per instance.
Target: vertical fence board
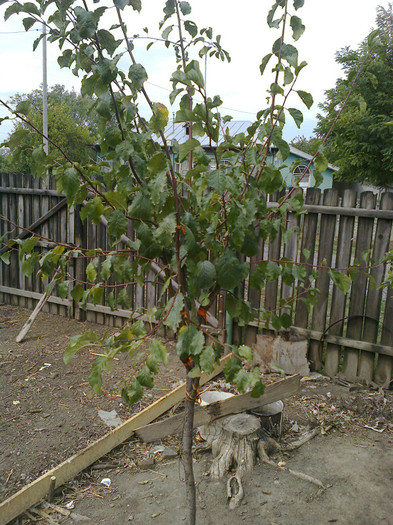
(6, 228)
(254, 298)
(12, 213)
(308, 241)
(374, 294)
(343, 259)
(325, 253)
(290, 252)
(359, 287)
(384, 369)
(274, 253)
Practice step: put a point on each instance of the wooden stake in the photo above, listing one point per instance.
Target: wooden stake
(36, 311)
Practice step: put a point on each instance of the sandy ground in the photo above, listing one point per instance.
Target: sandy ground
(49, 412)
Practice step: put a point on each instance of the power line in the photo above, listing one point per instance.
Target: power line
(223, 107)
(16, 32)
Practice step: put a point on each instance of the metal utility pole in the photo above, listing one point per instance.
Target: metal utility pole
(44, 91)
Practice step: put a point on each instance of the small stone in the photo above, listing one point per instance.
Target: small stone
(130, 518)
(146, 463)
(169, 453)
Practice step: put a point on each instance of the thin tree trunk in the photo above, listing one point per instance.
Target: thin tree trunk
(192, 386)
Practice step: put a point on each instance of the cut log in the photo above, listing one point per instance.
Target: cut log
(235, 446)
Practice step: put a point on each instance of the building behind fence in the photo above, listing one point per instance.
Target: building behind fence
(350, 334)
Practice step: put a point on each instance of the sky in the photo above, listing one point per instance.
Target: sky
(330, 26)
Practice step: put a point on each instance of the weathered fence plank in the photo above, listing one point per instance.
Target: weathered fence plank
(343, 259)
(374, 293)
(359, 287)
(325, 253)
(309, 233)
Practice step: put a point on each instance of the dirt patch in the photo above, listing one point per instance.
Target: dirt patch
(56, 415)
(48, 410)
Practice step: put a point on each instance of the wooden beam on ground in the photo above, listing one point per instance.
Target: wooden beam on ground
(233, 405)
(39, 489)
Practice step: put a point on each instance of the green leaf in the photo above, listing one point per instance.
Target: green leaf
(77, 293)
(185, 8)
(62, 289)
(145, 377)
(246, 353)
(321, 162)
(241, 381)
(206, 274)
(157, 163)
(117, 224)
(27, 246)
(132, 393)
(138, 76)
(164, 234)
(341, 280)
(231, 368)
(230, 271)
(123, 299)
(174, 307)
(23, 107)
(297, 27)
(207, 359)
(28, 23)
(92, 270)
(265, 62)
(93, 209)
(258, 390)
(68, 182)
(191, 28)
(96, 294)
(108, 41)
(297, 116)
(290, 54)
(298, 3)
(76, 342)
(28, 265)
(5, 257)
(190, 342)
(187, 147)
(306, 98)
(159, 351)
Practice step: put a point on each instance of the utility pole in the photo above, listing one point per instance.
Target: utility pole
(44, 91)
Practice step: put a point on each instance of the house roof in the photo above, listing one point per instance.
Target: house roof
(177, 131)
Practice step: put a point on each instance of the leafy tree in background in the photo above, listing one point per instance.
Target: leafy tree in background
(307, 145)
(194, 231)
(361, 144)
(71, 126)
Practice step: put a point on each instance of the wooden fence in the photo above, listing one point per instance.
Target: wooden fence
(350, 334)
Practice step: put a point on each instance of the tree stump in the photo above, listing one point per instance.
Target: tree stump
(235, 445)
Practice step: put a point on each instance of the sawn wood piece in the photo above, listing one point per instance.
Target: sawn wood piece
(233, 405)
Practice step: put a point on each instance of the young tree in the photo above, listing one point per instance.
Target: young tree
(71, 125)
(195, 230)
(361, 142)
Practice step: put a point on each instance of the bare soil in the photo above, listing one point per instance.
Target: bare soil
(50, 412)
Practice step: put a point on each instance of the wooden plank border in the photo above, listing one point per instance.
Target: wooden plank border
(33, 295)
(338, 210)
(68, 469)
